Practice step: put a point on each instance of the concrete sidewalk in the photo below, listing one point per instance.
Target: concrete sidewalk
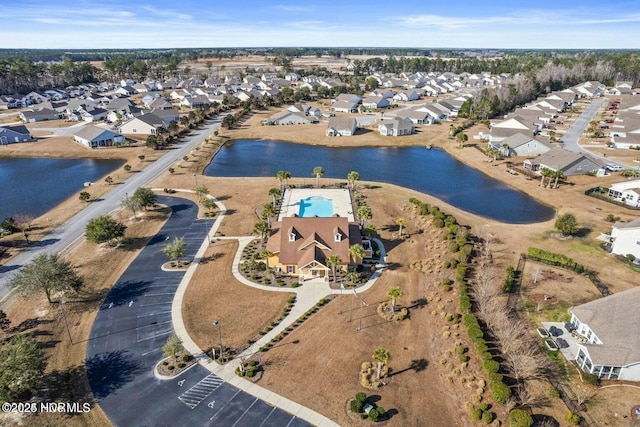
(307, 296)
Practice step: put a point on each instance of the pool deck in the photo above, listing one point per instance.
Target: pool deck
(341, 201)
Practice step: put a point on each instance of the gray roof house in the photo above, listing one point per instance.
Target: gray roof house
(12, 134)
(520, 145)
(568, 162)
(341, 126)
(288, 117)
(609, 329)
(145, 124)
(40, 115)
(396, 127)
(96, 137)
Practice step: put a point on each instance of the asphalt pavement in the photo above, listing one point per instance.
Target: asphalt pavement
(126, 343)
(575, 131)
(72, 229)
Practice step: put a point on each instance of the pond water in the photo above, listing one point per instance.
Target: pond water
(433, 172)
(35, 185)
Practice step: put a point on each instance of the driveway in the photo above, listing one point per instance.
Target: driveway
(126, 343)
(72, 229)
(571, 137)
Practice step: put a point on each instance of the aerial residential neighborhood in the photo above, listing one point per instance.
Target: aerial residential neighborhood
(374, 217)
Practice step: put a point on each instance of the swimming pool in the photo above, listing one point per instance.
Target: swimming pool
(316, 206)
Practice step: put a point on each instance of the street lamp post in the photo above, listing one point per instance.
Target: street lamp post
(217, 323)
(64, 318)
(195, 176)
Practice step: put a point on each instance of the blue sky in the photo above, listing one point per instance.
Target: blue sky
(81, 24)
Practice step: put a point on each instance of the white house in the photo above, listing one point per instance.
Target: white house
(145, 124)
(96, 137)
(288, 117)
(625, 238)
(396, 127)
(609, 327)
(626, 192)
(374, 101)
(520, 145)
(341, 126)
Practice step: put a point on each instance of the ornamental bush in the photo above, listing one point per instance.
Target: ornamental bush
(520, 418)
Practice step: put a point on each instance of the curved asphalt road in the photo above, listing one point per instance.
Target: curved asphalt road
(67, 233)
(575, 131)
(126, 342)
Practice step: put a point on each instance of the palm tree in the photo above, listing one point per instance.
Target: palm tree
(353, 277)
(332, 262)
(318, 171)
(381, 356)
(370, 230)
(558, 175)
(283, 176)
(356, 252)
(364, 213)
(545, 172)
(274, 192)
(268, 211)
(394, 293)
(461, 138)
(401, 223)
(352, 177)
(265, 254)
(263, 229)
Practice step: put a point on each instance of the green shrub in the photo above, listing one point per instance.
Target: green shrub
(291, 299)
(171, 367)
(500, 392)
(373, 415)
(453, 247)
(295, 284)
(554, 259)
(381, 411)
(356, 406)
(361, 396)
(488, 417)
(508, 281)
(591, 379)
(553, 392)
(181, 365)
(438, 223)
(520, 418)
(249, 374)
(476, 413)
(491, 366)
(186, 358)
(573, 419)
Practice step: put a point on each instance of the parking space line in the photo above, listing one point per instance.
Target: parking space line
(244, 413)
(201, 390)
(154, 314)
(267, 417)
(220, 410)
(153, 324)
(170, 331)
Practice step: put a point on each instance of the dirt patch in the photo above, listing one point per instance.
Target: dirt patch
(214, 294)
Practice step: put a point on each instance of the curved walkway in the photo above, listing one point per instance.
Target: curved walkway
(126, 342)
(306, 297)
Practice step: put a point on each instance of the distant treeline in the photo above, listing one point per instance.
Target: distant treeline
(22, 71)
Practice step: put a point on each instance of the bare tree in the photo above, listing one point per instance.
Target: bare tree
(24, 222)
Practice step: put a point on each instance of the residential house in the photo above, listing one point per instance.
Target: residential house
(96, 137)
(626, 192)
(418, 117)
(146, 124)
(13, 134)
(288, 117)
(509, 127)
(199, 101)
(610, 342)
(341, 126)
(344, 107)
(301, 246)
(565, 161)
(374, 101)
(520, 145)
(159, 104)
(126, 91)
(396, 127)
(406, 95)
(167, 115)
(348, 97)
(30, 116)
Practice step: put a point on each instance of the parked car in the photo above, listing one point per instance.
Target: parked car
(614, 168)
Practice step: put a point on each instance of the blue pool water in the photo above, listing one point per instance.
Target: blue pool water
(316, 206)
